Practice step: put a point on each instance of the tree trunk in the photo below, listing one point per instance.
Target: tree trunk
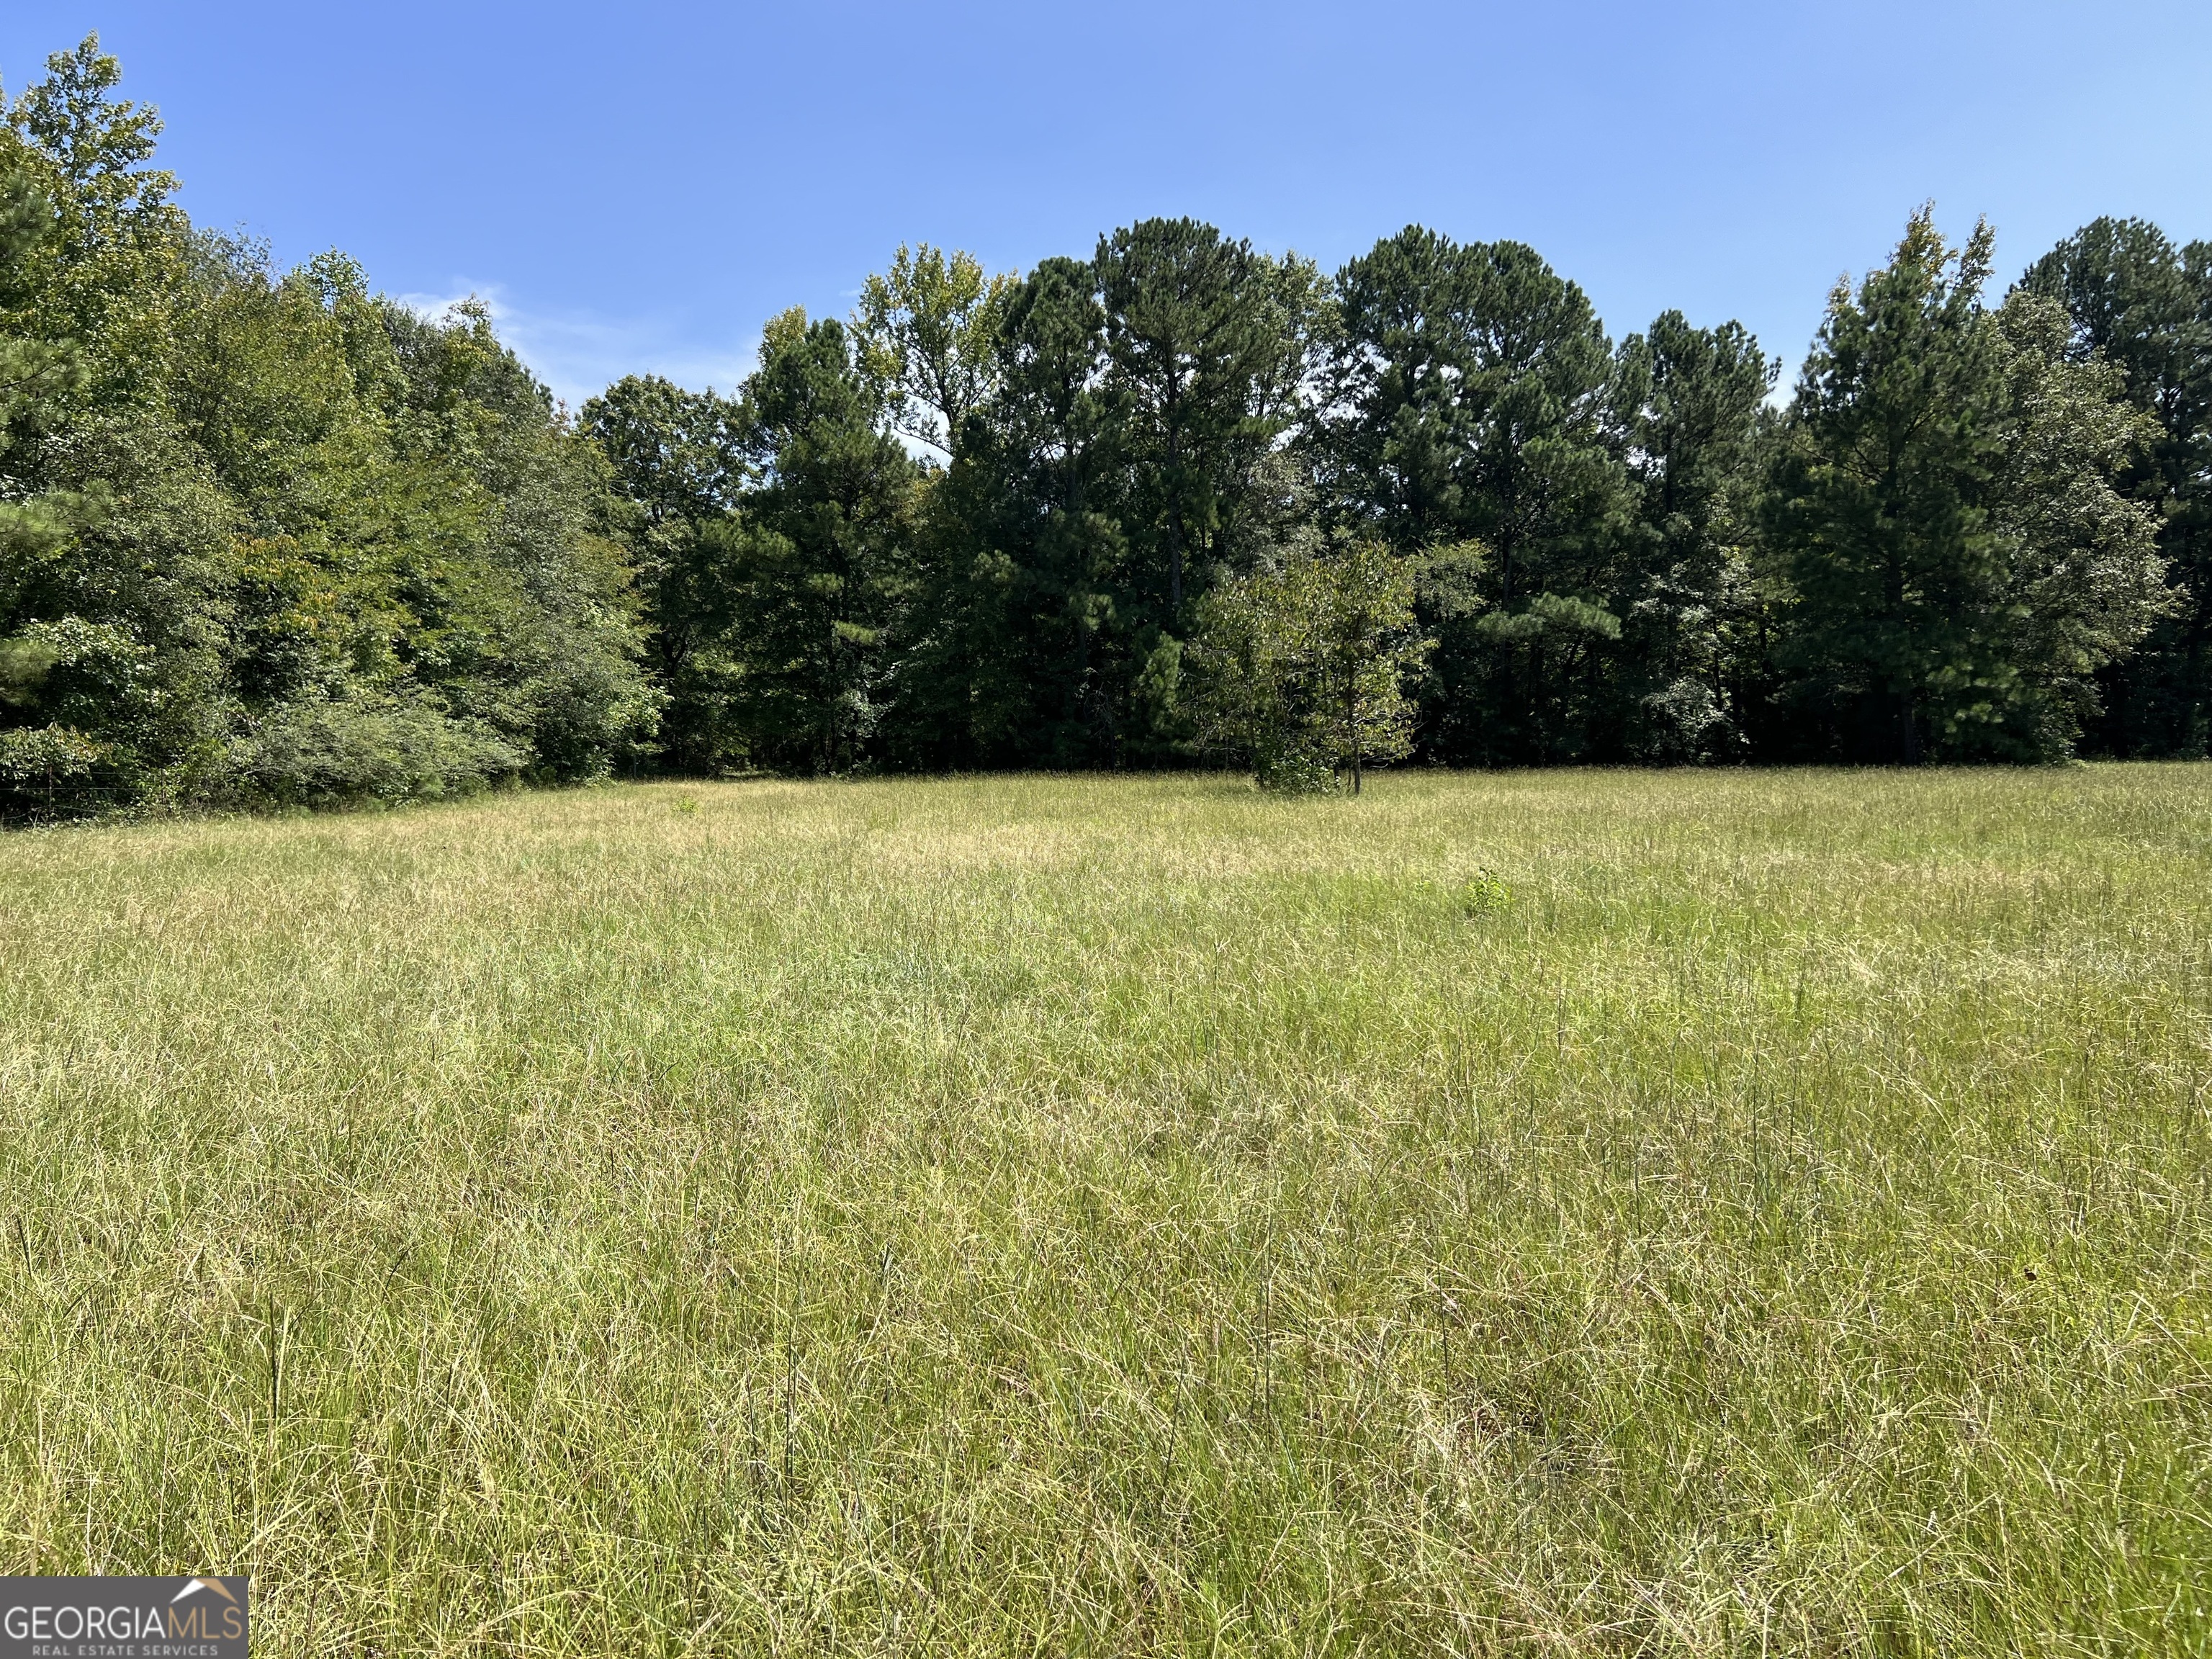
(1171, 409)
(1352, 721)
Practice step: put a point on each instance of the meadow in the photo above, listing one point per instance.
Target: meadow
(1555, 1212)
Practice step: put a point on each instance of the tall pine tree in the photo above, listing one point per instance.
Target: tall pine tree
(817, 562)
(2145, 306)
(1468, 400)
(1957, 561)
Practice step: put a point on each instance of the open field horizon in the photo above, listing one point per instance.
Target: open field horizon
(1578, 1211)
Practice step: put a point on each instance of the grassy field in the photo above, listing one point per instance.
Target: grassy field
(1055, 1216)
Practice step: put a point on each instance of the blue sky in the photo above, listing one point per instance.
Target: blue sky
(638, 186)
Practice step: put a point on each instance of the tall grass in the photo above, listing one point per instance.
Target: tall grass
(1128, 1216)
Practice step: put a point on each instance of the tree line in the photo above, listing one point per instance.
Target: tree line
(269, 537)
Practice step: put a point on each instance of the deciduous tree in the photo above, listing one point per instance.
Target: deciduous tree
(1304, 667)
(926, 335)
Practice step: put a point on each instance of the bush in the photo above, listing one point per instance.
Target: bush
(44, 768)
(1290, 770)
(1484, 894)
(325, 752)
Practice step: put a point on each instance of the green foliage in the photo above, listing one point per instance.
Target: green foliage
(1305, 666)
(38, 378)
(258, 527)
(1691, 404)
(1957, 562)
(1622, 555)
(1289, 768)
(1469, 391)
(317, 751)
(1484, 894)
(813, 565)
(1204, 353)
(1880, 502)
(2084, 582)
(926, 337)
(2144, 306)
(1020, 644)
(266, 536)
(49, 764)
(1128, 457)
(1622, 573)
(677, 469)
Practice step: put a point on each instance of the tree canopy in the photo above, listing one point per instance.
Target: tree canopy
(270, 536)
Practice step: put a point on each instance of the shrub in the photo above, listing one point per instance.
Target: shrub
(326, 751)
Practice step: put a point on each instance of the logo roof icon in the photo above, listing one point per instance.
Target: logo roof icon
(215, 1584)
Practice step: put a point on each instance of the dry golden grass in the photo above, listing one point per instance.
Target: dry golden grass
(1127, 1215)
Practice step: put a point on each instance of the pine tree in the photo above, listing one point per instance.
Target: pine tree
(1468, 400)
(1205, 345)
(1693, 407)
(815, 563)
(1957, 560)
(1881, 512)
(1018, 649)
(678, 471)
(36, 757)
(2145, 306)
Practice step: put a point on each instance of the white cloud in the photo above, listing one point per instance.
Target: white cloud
(578, 354)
